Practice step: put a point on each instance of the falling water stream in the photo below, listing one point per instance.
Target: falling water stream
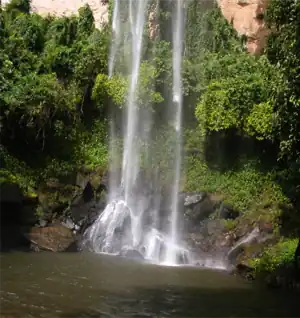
(131, 220)
(115, 37)
(137, 217)
(177, 100)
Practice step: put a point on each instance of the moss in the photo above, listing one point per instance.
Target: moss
(281, 254)
(96, 177)
(55, 196)
(22, 181)
(230, 224)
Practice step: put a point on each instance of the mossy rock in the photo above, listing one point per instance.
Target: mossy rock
(86, 175)
(52, 195)
(56, 196)
(253, 250)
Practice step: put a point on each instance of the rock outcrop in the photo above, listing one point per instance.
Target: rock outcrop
(69, 7)
(55, 238)
(247, 17)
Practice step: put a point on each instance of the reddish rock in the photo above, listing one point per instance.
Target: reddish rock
(52, 238)
(266, 227)
(69, 7)
(246, 17)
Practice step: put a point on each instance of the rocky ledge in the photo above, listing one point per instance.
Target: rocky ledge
(65, 209)
(215, 230)
(212, 228)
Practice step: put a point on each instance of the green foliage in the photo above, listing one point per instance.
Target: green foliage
(31, 29)
(86, 20)
(117, 86)
(48, 117)
(279, 255)
(246, 189)
(241, 87)
(284, 51)
(110, 8)
(259, 123)
(16, 6)
(92, 150)
(208, 31)
(15, 171)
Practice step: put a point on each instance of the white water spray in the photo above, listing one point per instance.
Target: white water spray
(132, 220)
(177, 100)
(131, 155)
(246, 240)
(115, 37)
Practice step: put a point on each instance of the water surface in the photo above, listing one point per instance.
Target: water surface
(91, 285)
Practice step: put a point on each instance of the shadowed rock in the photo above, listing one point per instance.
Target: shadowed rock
(132, 254)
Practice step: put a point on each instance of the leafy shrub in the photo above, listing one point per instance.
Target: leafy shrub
(281, 254)
(244, 188)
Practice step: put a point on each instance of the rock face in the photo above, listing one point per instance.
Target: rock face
(56, 218)
(16, 213)
(203, 227)
(69, 7)
(214, 230)
(56, 238)
(246, 17)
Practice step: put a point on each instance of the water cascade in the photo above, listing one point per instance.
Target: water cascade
(116, 34)
(177, 101)
(132, 219)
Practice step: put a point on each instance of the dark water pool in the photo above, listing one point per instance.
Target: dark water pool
(89, 285)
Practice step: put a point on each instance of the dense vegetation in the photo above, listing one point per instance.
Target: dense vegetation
(49, 119)
(248, 113)
(241, 112)
(237, 109)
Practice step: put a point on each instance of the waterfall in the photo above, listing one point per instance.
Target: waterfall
(115, 37)
(177, 100)
(133, 218)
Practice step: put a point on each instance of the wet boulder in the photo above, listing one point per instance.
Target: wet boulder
(227, 212)
(68, 223)
(208, 236)
(85, 209)
(243, 270)
(190, 199)
(56, 238)
(250, 246)
(132, 254)
(198, 206)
